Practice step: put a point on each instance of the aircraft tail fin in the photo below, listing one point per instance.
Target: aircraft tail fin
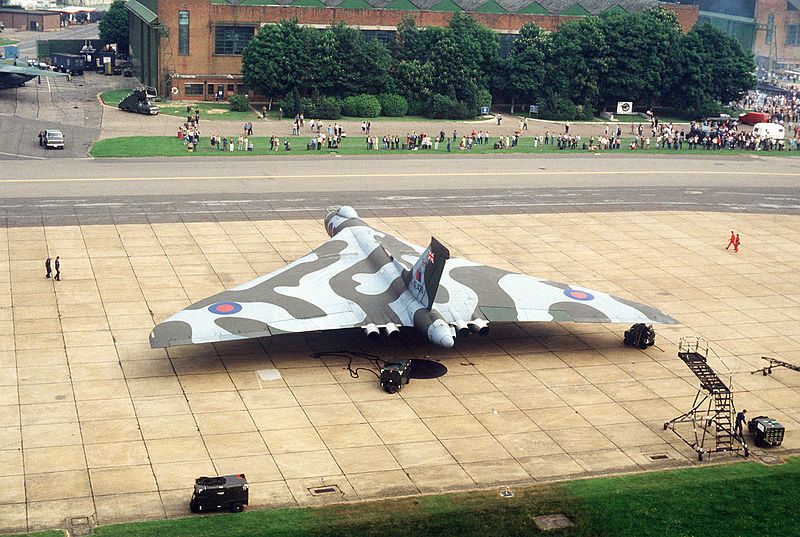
(427, 272)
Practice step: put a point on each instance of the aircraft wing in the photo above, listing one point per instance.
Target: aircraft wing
(499, 295)
(335, 286)
(26, 71)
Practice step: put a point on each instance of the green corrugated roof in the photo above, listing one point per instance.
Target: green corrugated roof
(141, 11)
(445, 5)
(490, 6)
(248, 2)
(576, 10)
(534, 8)
(308, 3)
(616, 9)
(355, 4)
(401, 5)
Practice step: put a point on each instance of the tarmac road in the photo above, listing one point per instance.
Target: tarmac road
(196, 189)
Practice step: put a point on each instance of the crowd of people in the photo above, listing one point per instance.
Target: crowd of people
(702, 135)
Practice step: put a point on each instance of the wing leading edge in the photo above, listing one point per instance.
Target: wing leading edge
(338, 285)
(362, 278)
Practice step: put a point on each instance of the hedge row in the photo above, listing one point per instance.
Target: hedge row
(387, 104)
(364, 106)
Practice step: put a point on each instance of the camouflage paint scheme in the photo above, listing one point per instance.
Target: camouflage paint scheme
(363, 278)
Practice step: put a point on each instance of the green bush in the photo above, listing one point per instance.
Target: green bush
(306, 107)
(361, 106)
(444, 107)
(484, 98)
(558, 108)
(393, 105)
(290, 104)
(584, 112)
(706, 107)
(416, 107)
(239, 103)
(327, 108)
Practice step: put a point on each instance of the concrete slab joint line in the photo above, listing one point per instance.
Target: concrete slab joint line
(95, 422)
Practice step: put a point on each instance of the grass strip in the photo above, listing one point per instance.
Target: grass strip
(168, 146)
(746, 498)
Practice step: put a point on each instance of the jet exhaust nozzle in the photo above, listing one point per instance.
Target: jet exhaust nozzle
(462, 329)
(372, 332)
(480, 326)
(391, 330)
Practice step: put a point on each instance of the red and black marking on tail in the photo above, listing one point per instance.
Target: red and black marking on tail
(427, 272)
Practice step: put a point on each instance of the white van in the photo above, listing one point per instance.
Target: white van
(769, 130)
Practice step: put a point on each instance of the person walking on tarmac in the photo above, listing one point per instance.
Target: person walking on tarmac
(58, 269)
(736, 244)
(733, 239)
(47, 267)
(740, 419)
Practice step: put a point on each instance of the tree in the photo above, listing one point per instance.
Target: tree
(711, 68)
(641, 51)
(528, 64)
(114, 26)
(581, 59)
(731, 66)
(342, 62)
(414, 79)
(275, 59)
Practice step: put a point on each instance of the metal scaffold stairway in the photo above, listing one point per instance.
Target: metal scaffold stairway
(712, 412)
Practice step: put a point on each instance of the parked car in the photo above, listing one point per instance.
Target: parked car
(720, 120)
(53, 139)
(769, 130)
(752, 117)
(138, 102)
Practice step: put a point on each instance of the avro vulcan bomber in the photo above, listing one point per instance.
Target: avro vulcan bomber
(364, 278)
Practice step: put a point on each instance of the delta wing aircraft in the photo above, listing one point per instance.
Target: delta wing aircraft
(14, 76)
(364, 278)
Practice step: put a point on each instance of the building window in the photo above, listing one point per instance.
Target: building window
(793, 34)
(790, 5)
(232, 39)
(770, 29)
(387, 37)
(183, 32)
(210, 90)
(240, 89)
(506, 42)
(193, 89)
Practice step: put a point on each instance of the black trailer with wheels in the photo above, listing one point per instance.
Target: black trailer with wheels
(395, 374)
(73, 64)
(640, 335)
(227, 492)
(766, 431)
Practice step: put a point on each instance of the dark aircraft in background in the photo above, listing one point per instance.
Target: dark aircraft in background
(14, 76)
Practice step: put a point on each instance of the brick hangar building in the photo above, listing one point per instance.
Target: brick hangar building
(192, 49)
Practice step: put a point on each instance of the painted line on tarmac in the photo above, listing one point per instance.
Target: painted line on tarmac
(393, 175)
(22, 156)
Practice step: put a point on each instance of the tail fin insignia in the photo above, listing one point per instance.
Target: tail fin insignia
(427, 272)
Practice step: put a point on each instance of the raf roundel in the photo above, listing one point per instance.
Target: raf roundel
(225, 308)
(578, 295)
